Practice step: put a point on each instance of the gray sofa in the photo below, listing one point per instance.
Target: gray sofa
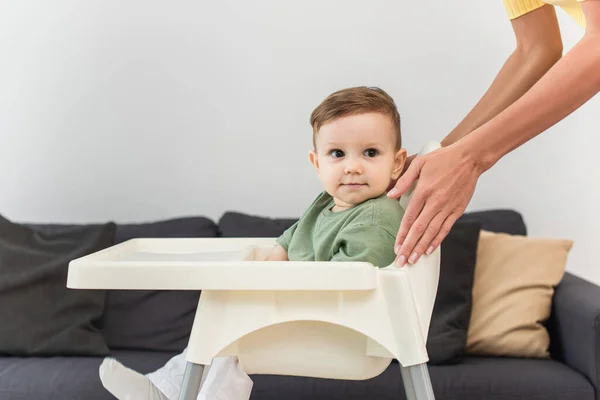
(144, 329)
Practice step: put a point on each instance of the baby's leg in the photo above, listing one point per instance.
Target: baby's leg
(223, 380)
(127, 384)
(226, 380)
(169, 377)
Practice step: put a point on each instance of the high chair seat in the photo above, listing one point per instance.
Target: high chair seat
(336, 320)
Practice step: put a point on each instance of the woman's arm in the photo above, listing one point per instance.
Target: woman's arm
(447, 177)
(539, 47)
(570, 83)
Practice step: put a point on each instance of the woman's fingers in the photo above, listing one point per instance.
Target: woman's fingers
(435, 228)
(444, 230)
(425, 227)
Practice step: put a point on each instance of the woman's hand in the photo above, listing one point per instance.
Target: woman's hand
(407, 163)
(446, 181)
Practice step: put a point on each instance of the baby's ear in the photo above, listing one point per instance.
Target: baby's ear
(399, 161)
(314, 160)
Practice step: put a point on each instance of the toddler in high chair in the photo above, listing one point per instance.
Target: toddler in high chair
(357, 154)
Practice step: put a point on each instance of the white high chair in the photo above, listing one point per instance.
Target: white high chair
(336, 320)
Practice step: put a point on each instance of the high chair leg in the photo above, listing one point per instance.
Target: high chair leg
(192, 379)
(417, 383)
(408, 383)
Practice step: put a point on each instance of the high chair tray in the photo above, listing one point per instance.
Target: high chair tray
(210, 264)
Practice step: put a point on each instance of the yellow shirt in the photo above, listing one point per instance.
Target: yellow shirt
(516, 8)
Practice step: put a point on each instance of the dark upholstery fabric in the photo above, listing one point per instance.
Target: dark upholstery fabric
(171, 228)
(472, 379)
(447, 336)
(76, 378)
(38, 314)
(501, 221)
(149, 320)
(574, 327)
(53, 229)
(235, 224)
(66, 378)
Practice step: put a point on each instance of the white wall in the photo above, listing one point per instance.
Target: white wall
(141, 110)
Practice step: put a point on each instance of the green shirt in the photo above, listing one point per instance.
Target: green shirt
(366, 232)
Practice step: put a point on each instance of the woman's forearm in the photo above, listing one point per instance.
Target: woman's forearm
(518, 74)
(565, 87)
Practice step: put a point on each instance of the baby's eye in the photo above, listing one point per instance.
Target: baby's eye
(371, 153)
(336, 153)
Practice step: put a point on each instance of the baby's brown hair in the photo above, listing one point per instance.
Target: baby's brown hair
(354, 101)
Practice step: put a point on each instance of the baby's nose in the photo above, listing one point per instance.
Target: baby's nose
(353, 167)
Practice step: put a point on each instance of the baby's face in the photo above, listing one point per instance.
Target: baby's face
(356, 158)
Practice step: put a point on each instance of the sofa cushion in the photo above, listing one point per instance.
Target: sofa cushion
(472, 379)
(235, 224)
(51, 229)
(154, 319)
(505, 221)
(449, 325)
(515, 279)
(55, 378)
(184, 227)
(58, 378)
(39, 315)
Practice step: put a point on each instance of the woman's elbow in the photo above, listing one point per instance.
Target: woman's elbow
(543, 57)
(555, 53)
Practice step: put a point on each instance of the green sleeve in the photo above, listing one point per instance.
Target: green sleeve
(365, 243)
(286, 237)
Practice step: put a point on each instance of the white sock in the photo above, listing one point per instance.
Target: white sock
(127, 384)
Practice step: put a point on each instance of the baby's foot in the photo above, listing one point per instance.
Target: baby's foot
(126, 384)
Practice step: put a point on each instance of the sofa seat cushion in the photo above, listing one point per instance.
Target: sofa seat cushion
(475, 378)
(66, 378)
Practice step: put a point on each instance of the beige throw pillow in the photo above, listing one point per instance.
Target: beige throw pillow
(514, 282)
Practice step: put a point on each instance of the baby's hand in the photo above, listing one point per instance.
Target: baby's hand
(278, 253)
